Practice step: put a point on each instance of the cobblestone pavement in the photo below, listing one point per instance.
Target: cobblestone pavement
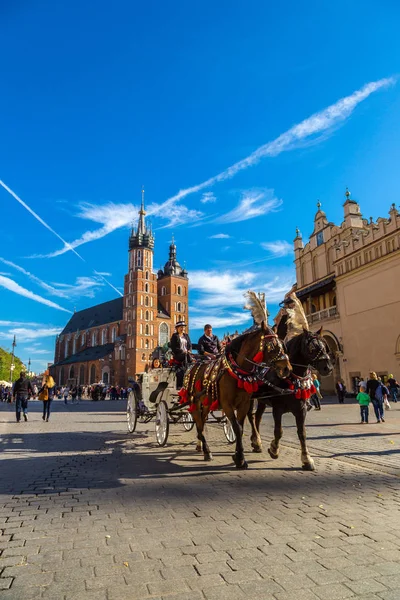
(88, 511)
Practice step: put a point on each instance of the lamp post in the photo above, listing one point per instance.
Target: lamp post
(12, 366)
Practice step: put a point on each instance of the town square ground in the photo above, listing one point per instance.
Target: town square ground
(88, 511)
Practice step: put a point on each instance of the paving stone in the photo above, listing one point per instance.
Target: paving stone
(224, 592)
(366, 586)
(166, 587)
(333, 591)
(5, 582)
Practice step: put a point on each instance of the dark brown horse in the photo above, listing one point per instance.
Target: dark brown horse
(305, 350)
(229, 381)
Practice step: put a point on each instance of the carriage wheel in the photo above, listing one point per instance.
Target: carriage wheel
(162, 423)
(131, 412)
(187, 421)
(228, 431)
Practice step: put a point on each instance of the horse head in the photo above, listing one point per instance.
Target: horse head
(316, 352)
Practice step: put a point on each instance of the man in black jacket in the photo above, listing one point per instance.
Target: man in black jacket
(22, 391)
(209, 345)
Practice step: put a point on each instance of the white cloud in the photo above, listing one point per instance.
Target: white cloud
(34, 350)
(218, 320)
(254, 203)
(27, 334)
(219, 236)
(83, 286)
(14, 287)
(278, 247)
(208, 197)
(17, 324)
(318, 123)
(104, 274)
(220, 295)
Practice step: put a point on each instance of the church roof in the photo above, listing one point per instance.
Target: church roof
(101, 314)
(88, 354)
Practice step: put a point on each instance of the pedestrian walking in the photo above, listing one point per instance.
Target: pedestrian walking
(66, 394)
(393, 387)
(46, 394)
(22, 391)
(315, 398)
(363, 400)
(340, 391)
(375, 393)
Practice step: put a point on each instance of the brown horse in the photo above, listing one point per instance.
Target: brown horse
(229, 381)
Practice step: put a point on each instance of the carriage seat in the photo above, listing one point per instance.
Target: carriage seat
(159, 389)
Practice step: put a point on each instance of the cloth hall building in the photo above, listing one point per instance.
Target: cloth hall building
(115, 340)
(348, 280)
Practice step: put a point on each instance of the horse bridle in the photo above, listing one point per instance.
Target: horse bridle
(260, 369)
(323, 348)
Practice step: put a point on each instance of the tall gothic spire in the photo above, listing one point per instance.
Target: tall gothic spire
(142, 236)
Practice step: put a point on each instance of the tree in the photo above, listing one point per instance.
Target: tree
(5, 364)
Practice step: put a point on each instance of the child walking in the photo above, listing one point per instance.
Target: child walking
(363, 400)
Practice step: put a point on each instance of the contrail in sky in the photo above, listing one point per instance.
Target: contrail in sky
(317, 123)
(29, 209)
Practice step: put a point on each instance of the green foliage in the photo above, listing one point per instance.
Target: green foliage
(5, 363)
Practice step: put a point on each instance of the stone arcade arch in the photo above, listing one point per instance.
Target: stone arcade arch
(328, 383)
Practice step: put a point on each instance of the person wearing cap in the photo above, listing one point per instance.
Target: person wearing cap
(181, 347)
(209, 345)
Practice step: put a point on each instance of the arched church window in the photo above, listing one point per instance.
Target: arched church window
(94, 338)
(129, 329)
(146, 315)
(113, 334)
(104, 337)
(83, 339)
(92, 374)
(163, 291)
(147, 344)
(179, 290)
(178, 306)
(146, 300)
(147, 330)
(130, 288)
(139, 258)
(147, 274)
(146, 287)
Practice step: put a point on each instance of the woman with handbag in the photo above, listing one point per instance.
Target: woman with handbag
(315, 398)
(46, 394)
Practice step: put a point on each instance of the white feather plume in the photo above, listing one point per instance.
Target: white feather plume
(257, 308)
(297, 320)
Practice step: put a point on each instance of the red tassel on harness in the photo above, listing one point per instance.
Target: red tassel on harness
(206, 401)
(197, 386)
(298, 394)
(183, 395)
(240, 384)
(255, 386)
(290, 386)
(192, 408)
(258, 357)
(214, 405)
(248, 387)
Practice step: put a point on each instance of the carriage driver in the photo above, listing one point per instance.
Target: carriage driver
(181, 347)
(209, 345)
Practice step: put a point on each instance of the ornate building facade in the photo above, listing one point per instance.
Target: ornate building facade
(348, 280)
(115, 340)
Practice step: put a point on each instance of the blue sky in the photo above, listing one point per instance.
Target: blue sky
(173, 95)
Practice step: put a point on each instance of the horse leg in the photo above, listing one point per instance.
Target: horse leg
(202, 442)
(307, 461)
(238, 457)
(255, 438)
(273, 450)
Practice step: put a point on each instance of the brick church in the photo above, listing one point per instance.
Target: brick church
(115, 340)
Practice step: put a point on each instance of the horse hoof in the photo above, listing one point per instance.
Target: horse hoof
(199, 449)
(308, 467)
(257, 449)
(272, 455)
(208, 457)
(242, 465)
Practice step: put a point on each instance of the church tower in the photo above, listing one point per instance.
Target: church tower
(140, 298)
(173, 292)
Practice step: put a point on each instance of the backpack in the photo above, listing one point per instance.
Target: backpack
(379, 392)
